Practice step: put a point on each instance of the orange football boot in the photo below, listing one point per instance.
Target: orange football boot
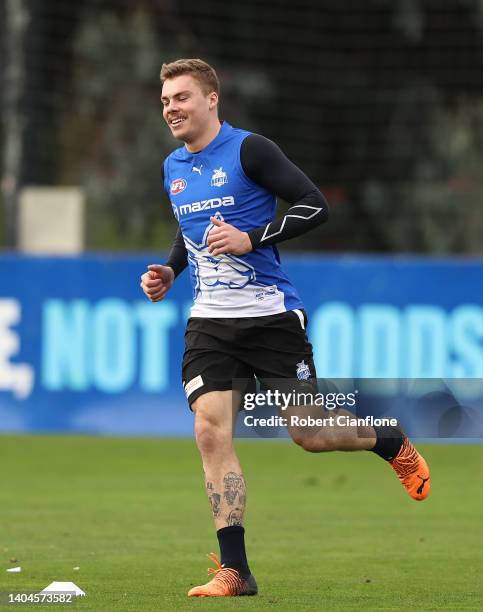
(226, 583)
(412, 470)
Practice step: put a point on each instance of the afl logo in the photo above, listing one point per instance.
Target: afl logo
(177, 186)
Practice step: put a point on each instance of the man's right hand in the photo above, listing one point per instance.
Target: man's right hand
(157, 282)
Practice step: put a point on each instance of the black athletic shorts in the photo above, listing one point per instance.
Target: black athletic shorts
(219, 350)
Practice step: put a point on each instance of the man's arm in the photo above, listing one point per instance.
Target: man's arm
(264, 163)
(159, 279)
(178, 256)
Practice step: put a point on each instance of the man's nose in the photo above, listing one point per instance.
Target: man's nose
(172, 105)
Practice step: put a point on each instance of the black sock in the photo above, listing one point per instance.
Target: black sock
(232, 549)
(388, 441)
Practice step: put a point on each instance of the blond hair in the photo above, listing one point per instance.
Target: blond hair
(197, 68)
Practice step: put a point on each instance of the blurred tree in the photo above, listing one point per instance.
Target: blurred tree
(438, 207)
(117, 133)
(15, 15)
(365, 97)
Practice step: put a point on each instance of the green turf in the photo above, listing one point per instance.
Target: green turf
(331, 532)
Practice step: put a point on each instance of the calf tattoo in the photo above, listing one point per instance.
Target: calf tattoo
(234, 495)
(235, 517)
(214, 498)
(234, 486)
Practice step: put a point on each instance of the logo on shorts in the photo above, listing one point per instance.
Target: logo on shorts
(218, 177)
(178, 185)
(303, 371)
(192, 385)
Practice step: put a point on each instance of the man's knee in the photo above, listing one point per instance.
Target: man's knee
(212, 428)
(210, 437)
(312, 443)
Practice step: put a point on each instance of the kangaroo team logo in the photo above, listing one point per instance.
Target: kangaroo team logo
(221, 272)
(178, 185)
(303, 371)
(219, 177)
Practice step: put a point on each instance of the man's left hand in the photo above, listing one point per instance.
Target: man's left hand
(225, 238)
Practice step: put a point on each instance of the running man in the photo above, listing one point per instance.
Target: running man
(247, 319)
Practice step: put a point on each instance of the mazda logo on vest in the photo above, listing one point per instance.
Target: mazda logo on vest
(206, 205)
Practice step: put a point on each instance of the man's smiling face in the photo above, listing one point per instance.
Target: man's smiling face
(187, 109)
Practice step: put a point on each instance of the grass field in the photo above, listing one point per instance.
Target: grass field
(330, 532)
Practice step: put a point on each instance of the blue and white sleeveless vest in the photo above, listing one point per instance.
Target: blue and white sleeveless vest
(213, 183)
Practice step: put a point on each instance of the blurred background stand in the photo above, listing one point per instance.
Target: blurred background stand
(51, 220)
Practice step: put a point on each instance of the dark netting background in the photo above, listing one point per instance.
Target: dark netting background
(380, 102)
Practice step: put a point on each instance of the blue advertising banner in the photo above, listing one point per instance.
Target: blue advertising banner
(82, 350)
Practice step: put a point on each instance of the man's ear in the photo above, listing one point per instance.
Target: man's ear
(213, 100)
